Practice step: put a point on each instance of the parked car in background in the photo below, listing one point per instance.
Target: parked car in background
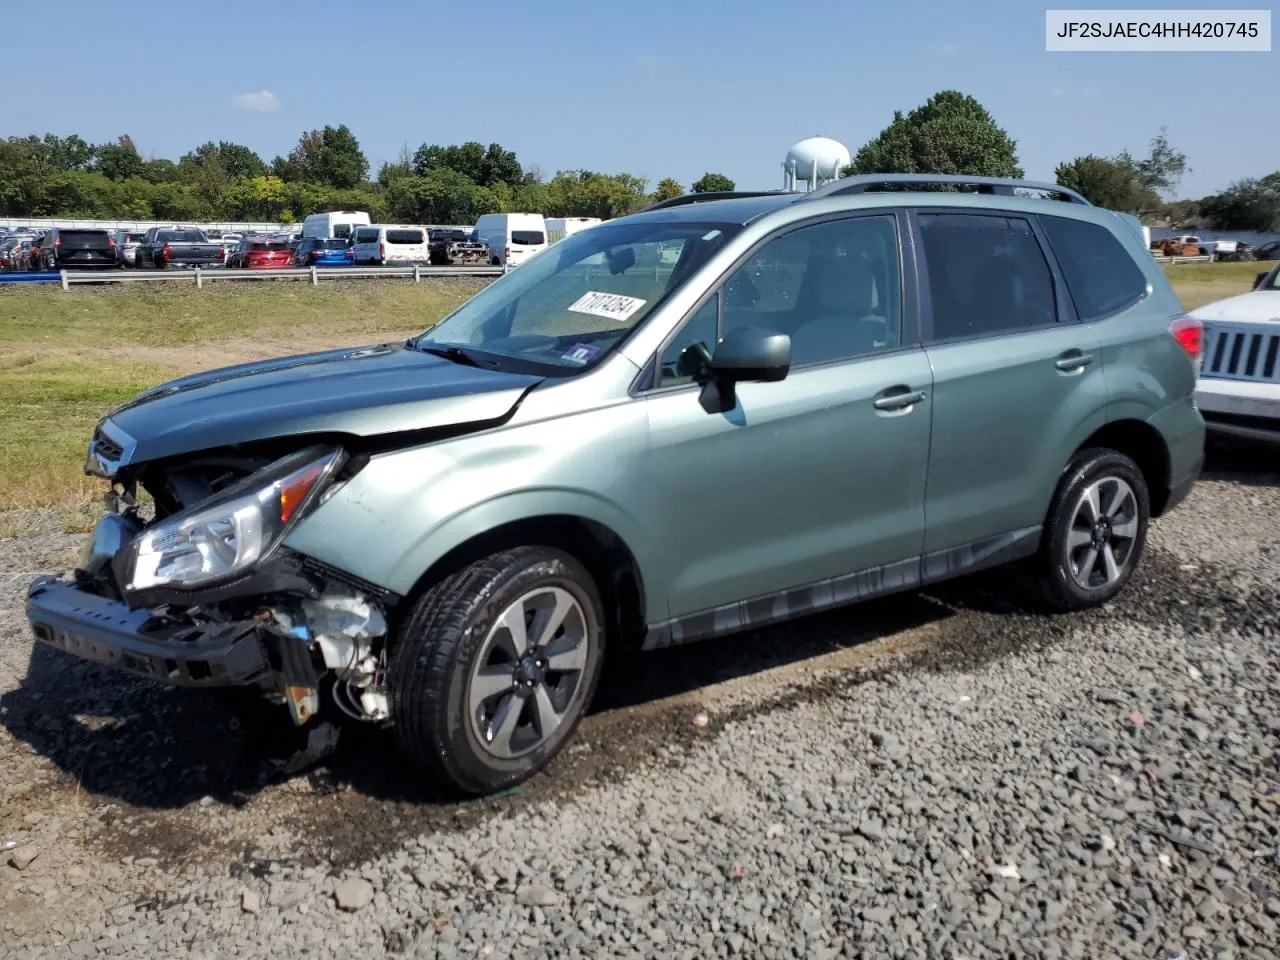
(1267, 251)
(1239, 388)
(512, 238)
(22, 254)
(127, 242)
(10, 249)
(261, 253)
(560, 227)
(164, 247)
(448, 247)
(64, 249)
(385, 244)
(323, 252)
(334, 223)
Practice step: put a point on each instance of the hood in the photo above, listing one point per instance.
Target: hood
(365, 391)
(1256, 305)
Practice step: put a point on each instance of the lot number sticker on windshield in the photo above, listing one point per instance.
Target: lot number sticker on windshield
(611, 306)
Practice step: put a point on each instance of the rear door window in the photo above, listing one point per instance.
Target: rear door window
(987, 276)
(333, 243)
(528, 238)
(1101, 275)
(366, 236)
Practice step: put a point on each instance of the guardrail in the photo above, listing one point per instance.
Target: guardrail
(1206, 258)
(201, 276)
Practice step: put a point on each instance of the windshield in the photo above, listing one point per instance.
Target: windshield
(575, 301)
(1272, 282)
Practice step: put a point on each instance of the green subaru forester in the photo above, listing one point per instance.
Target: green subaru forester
(718, 413)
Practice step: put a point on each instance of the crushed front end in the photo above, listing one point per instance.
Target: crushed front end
(199, 591)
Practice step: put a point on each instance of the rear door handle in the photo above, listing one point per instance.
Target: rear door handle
(897, 398)
(1073, 360)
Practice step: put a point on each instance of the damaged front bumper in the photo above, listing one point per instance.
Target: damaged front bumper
(208, 654)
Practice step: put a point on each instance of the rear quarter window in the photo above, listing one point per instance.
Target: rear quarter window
(1100, 273)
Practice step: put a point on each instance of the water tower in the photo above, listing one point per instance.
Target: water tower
(813, 162)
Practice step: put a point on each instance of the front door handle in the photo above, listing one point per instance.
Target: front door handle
(897, 398)
(1073, 360)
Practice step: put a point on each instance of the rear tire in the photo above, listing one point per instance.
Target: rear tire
(474, 703)
(1096, 531)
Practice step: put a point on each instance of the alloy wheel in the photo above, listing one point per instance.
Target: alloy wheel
(527, 671)
(1103, 533)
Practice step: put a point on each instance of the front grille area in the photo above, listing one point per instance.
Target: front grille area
(107, 448)
(1241, 352)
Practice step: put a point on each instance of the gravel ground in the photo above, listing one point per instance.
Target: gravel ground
(937, 775)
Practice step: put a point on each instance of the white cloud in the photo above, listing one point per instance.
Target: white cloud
(264, 101)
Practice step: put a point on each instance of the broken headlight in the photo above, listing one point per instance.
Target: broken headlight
(228, 535)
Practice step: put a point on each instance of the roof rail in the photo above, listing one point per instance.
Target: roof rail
(710, 195)
(1004, 186)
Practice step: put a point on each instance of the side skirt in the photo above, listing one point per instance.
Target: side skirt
(843, 590)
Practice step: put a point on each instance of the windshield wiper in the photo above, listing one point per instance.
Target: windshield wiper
(456, 354)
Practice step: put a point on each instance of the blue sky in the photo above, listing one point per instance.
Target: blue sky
(656, 89)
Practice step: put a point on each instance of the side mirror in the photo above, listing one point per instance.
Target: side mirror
(743, 355)
(1260, 279)
(751, 353)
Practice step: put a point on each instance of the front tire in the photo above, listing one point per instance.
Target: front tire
(494, 667)
(1096, 531)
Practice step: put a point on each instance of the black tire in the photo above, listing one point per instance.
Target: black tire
(438, 645)
(1054, 573)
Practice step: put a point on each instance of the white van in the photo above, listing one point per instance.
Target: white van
(393, 244)
(512, 238)
(336, 223)
(560, 227)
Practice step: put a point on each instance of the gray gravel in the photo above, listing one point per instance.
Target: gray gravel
(988, 783)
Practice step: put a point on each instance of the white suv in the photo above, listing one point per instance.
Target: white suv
(390, 244)
(1239, 388)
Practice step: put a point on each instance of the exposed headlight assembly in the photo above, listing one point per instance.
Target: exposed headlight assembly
(227, 536)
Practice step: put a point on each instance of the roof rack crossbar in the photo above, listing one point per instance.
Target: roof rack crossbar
(1003, 186)
(706, 197)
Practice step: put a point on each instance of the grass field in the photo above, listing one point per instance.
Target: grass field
(66, 357)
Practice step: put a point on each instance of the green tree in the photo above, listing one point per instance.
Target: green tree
(234, 159)
(1163, 168)
(1112, 183)
(951, 133)
(119, 160)
(712, 183)
(330, 156)
(667, 189)
(68, 153)
(1249, 204)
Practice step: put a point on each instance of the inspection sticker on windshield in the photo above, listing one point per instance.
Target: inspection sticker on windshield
(611, 306)
(580, 353)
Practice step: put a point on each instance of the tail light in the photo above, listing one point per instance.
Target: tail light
(382, 251)
(1189, 333)
(57, 242)
(111, 241)
(506, 253)
(165, 253)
